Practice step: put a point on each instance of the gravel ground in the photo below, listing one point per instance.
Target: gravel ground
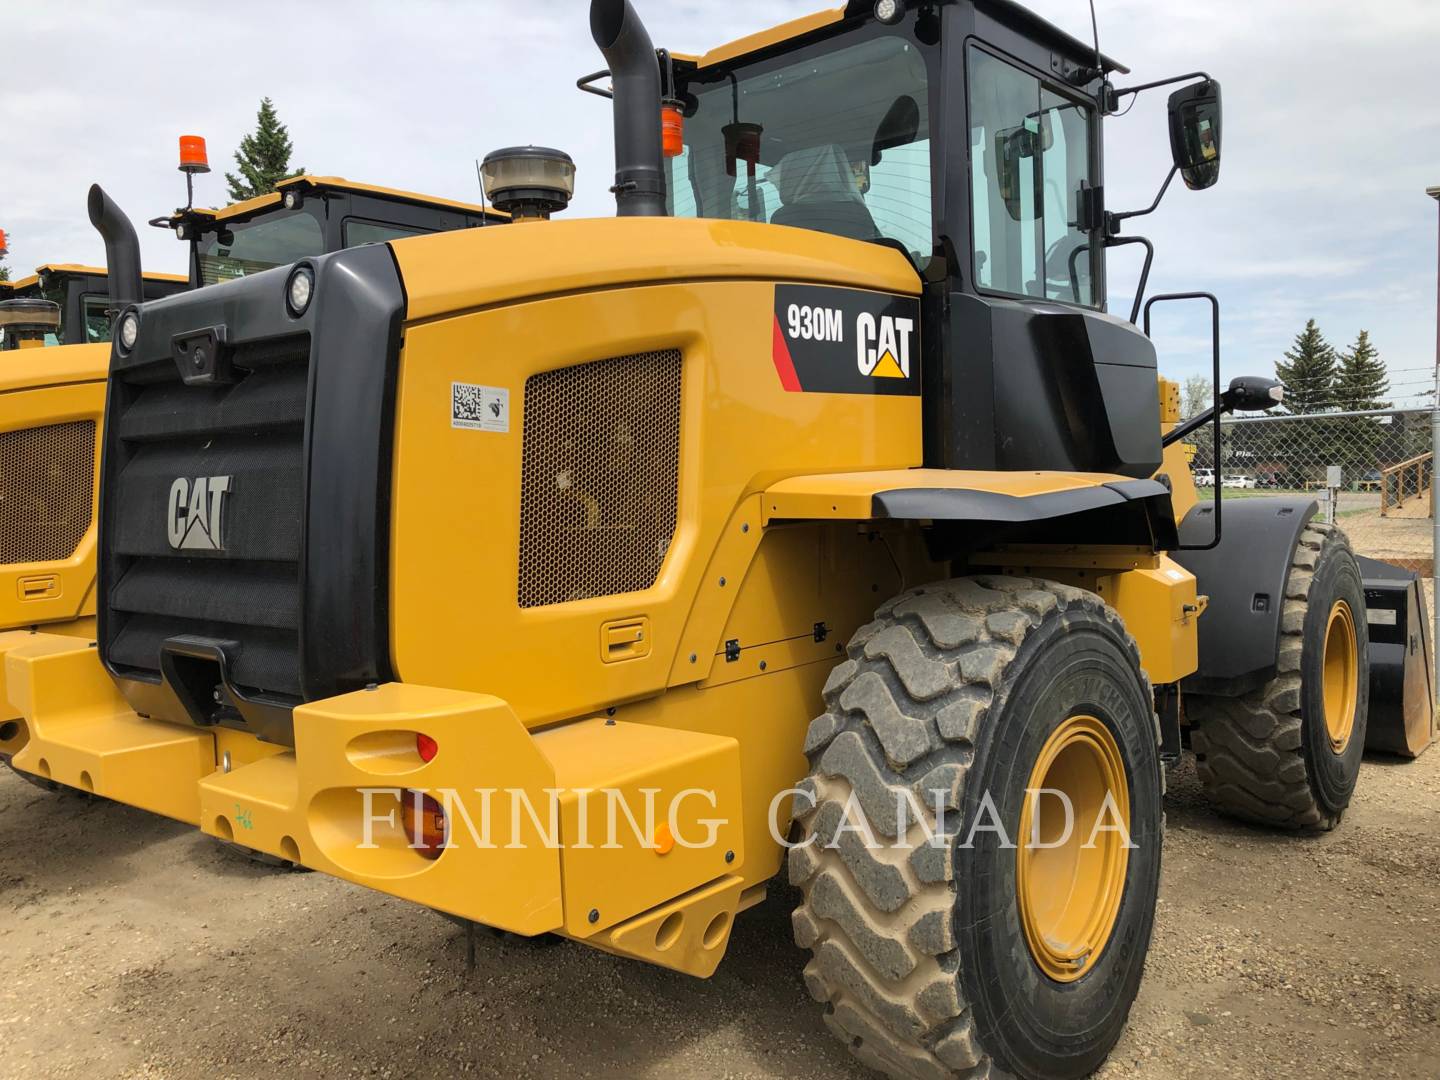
(133, 946)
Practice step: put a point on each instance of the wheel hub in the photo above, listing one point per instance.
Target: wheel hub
(1070, 875)
(1340, 666)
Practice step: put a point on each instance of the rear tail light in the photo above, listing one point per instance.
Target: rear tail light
(426, 747)
(425, 824)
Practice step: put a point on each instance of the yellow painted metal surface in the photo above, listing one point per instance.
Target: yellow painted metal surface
(688, 934)
(1162, 613)
(78, 268)
(1069, 885)
(82, 734)
(73, 393)
(739, 428)
(56, 366)
(786, 31)
(621, 783)
(1176, 466)
(454, 273)
(1169, 401)
(843, 495)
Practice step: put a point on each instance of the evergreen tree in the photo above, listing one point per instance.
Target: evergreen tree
(263, 157)
(4, 270)
(1360, 383)
(1309, 377)
(1360, 379)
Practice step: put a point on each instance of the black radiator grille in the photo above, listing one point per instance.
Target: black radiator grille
(250, 431)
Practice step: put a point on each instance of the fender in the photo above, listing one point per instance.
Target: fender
(1130, 511)
(1244, 577)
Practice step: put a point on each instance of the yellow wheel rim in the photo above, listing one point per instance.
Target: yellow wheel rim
(1070, 887)
(1340, 666)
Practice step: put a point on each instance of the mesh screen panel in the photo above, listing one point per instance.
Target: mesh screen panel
(599, 477)
(47, 481)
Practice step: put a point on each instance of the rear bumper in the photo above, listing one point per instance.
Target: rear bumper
(551, 847)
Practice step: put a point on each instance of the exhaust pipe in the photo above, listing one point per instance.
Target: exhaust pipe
(635, 76)
(122, 250)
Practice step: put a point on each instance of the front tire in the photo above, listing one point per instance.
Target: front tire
(945, 959)
(1288, 754)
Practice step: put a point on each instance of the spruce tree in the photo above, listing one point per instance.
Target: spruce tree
(1360, 379)
(263, 157)
(1309, 377)
(4, 270)
(1360, 383)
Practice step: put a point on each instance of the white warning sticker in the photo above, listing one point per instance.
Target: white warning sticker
(479, 408)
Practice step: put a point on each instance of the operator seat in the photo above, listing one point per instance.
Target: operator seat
(817, 191)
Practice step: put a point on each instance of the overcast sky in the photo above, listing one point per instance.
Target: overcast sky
(1331, 133)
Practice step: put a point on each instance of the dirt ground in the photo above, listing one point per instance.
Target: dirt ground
(133, 946)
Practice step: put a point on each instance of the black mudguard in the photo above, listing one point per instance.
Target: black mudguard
(1244, 577)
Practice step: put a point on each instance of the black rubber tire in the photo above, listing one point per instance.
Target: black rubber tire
(1265, 757)
(917, 949)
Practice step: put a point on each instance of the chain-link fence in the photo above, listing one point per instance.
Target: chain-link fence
(1371, 471)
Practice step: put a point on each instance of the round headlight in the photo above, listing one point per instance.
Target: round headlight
(129, 330)
(299, 290)
(292, 200)
(889, 12)
(180, 232)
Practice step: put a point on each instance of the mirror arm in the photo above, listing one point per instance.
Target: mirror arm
(1112, 103)
(1112, 220)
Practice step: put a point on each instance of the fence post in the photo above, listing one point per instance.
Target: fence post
(1434, 193)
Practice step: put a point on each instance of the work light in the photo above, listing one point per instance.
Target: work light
(129, 330)
(299, 290)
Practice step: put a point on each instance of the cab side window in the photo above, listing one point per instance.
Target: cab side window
(1029, 162)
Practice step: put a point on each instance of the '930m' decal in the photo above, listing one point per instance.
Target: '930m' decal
(844, 341)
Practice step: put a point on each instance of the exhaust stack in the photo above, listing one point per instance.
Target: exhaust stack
(122, 250)
(635, 76)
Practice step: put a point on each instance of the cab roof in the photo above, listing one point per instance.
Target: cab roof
(1006, 11)
(329, 183)
(79, 270)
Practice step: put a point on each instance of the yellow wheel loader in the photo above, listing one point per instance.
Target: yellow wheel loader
(52, 402)
(811, 517)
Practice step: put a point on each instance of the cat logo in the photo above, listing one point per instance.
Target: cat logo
(883, 351)
(194, 513)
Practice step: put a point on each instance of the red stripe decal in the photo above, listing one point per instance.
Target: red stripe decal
(784, 366)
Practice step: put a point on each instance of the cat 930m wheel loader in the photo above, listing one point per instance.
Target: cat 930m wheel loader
(812, 517)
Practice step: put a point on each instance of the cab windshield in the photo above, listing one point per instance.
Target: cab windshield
(838, 142)
(275, 238)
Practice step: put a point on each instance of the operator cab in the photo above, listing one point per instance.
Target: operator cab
(81, 296)
(309, 215)
(968, 136)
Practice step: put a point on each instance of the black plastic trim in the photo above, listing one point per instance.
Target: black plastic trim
(356, 318)
(1244, 577)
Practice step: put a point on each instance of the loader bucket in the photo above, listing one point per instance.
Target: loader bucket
(1402, 689)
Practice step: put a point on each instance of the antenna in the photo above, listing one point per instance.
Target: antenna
(1105, 88)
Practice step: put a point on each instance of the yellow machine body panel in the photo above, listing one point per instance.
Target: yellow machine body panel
(739, 430)
(51, 411)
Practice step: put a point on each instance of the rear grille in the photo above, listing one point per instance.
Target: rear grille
(247, 591)
(47, 488)
(599, 477)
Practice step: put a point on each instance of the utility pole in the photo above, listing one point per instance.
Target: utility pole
(1434, 193)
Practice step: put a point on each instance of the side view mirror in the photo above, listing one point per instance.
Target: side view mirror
(1252, 393)
(1195, 133)
(1013, 147)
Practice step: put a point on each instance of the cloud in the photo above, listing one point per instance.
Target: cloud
(1329, 137)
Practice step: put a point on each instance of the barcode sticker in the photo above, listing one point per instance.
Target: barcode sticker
(479, 408)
